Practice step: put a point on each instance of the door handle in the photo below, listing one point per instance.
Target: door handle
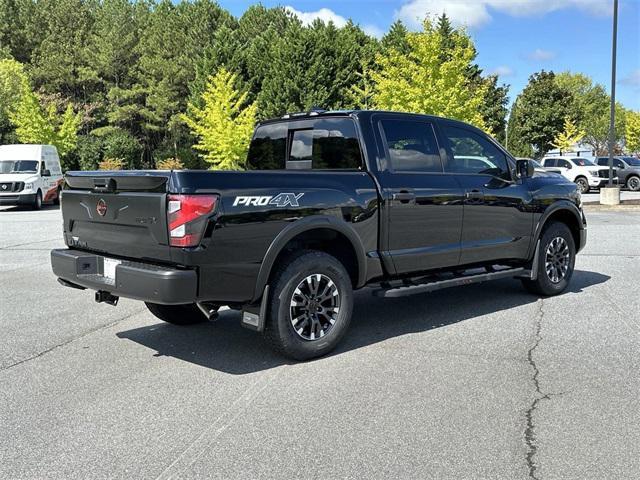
(474, 195)
(404, 196)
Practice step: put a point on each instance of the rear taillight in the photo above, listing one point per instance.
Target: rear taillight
(187, 218)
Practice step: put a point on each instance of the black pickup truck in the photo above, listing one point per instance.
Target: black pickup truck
(332, 202)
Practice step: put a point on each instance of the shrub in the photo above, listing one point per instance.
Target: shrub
(111, 164)
(170, 164)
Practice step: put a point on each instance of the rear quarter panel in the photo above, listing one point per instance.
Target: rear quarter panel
(242, 230)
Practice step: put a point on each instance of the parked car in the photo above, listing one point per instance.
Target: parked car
(628, 169)
(582, 171)
(29, 175)
(401, 203)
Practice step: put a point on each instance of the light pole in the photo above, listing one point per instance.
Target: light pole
(612, 120)
(611, 195)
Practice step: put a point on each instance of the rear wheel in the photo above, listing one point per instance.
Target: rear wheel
(556, 261)
(633, 183)
(56, 200)
(177, 314)
(583, 184)
(310, 304)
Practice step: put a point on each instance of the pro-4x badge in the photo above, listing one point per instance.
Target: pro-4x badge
(280, 200)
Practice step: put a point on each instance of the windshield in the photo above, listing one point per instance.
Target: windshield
(583, 162)
(18, 166)
(632, 162)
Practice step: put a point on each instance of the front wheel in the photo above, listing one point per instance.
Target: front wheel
(556, 261)
(177, 314)
(37, 201)
(310, 305)
(633, 183)
(583, 184)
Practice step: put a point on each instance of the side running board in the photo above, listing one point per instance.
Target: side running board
(438, 282)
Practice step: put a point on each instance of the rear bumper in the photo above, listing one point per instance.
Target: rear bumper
(18, 199)
(140, 281)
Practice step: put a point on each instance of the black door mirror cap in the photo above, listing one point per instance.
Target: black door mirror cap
(525, 168)
(46, 173)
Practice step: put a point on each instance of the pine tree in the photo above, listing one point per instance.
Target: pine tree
(421, 82)
(224, 124)
(396, 38)
(514, 141)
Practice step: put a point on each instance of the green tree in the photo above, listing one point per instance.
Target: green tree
(632, 132)
(514, 140)
(422, 82)
(35, 124)
(568, 137)
(224, 124)
(494, 104)
(396, 38)
(591, 109)
(13, 85)
(543, 106)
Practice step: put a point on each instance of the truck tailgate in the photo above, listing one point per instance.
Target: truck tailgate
(122, 215)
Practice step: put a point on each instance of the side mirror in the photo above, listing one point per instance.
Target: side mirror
(524, 168)
(46, 173)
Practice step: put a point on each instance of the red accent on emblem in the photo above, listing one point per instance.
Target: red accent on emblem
(101, 207)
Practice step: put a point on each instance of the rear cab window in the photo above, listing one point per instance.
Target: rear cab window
(325, 143)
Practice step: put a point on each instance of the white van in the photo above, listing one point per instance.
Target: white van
(29, 175)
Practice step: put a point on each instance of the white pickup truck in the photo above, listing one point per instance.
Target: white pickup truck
(582, 171)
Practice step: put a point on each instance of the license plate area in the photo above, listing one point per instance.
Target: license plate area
(109, 268)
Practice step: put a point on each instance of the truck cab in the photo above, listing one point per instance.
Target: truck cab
(332, 201)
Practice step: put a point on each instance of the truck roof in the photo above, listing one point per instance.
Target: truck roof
(24, 151)
(340, 113)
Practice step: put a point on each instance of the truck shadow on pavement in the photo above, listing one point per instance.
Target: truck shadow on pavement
(226, 346)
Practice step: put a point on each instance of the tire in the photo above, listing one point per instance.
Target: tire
(37, 202)
(56, 201)
(314, 288)
(583, 184)
(556, 261)
(633, 183)
(177, 314)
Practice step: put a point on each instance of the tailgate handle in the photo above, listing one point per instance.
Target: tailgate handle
(104, 185)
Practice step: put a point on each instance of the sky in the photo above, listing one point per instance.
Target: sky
(514, 38)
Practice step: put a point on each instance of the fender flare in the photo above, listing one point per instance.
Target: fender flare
(301, 226)
(565, 205)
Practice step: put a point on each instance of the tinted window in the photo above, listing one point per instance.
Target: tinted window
(412, 146)
(564, 164)
(329, 144)
(603, 162)
(550, 162)
(268, 148)
(474, 153)
(582, 162)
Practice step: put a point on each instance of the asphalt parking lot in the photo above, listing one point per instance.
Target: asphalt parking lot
(484, 381)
